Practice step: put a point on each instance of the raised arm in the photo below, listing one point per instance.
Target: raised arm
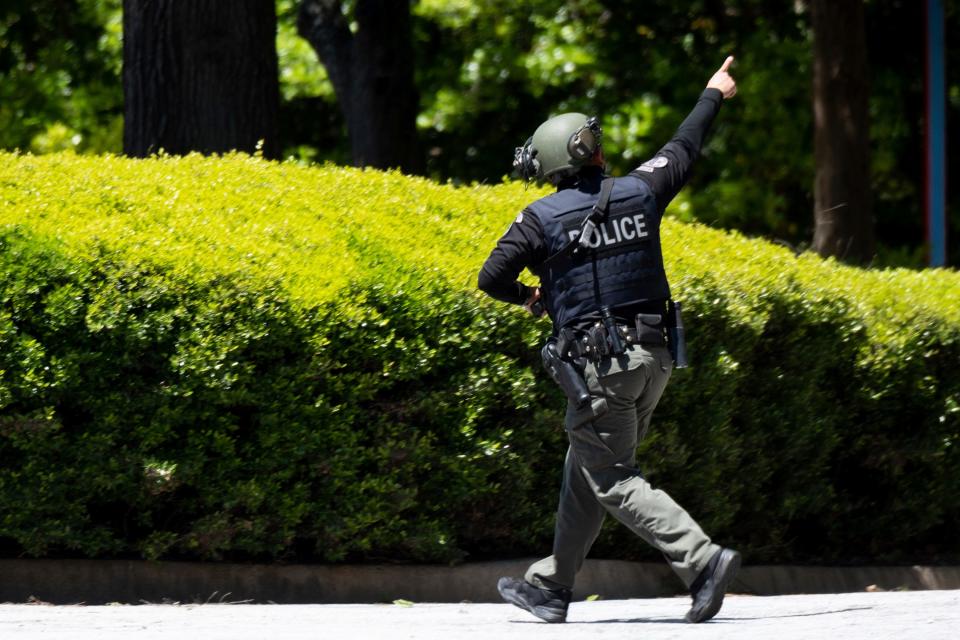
(669, 169)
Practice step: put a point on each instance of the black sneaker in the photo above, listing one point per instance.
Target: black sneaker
(547, 605)
(711, 585)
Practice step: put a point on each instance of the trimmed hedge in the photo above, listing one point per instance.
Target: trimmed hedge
(230, 358)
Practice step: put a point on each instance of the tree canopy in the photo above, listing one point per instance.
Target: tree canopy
(488, 71)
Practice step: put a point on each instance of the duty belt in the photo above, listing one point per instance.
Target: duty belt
(595, 344)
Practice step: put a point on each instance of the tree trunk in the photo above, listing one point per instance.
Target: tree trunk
(372, 74)
(200, 75)
(842, 202)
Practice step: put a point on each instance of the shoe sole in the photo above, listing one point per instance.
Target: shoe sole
(547, 614)
(727, 569)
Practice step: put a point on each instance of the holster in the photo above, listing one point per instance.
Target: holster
(566, 374)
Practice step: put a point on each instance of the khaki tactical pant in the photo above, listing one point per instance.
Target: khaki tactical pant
(600, 474)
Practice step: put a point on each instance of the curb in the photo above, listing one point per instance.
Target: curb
(106, 581)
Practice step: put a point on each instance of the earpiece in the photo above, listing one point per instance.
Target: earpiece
(585, 140)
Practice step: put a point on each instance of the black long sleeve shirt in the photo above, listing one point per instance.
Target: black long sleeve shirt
(665, 173)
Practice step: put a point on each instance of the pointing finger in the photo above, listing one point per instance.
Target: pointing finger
(726, 64)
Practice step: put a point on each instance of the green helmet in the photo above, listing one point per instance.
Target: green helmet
(558, 148)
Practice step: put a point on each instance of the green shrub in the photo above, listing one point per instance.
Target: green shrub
(234, 359)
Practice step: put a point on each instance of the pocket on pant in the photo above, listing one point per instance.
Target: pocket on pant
(589, 447)
(576, 417)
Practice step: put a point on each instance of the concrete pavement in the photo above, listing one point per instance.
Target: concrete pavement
(927, 615)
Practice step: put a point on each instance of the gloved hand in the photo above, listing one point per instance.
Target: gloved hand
(534, 304)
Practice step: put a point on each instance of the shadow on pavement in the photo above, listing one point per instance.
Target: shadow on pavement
(806, 615)
(719, 619)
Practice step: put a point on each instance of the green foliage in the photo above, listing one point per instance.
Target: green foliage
(59, 76)
(233, 359)
(301, 75)
(489, 71)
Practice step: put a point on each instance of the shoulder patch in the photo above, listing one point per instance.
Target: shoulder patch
(657, 162)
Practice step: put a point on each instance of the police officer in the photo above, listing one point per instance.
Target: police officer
(595, 245)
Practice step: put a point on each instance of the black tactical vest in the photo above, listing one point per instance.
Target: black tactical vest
(624, 264)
